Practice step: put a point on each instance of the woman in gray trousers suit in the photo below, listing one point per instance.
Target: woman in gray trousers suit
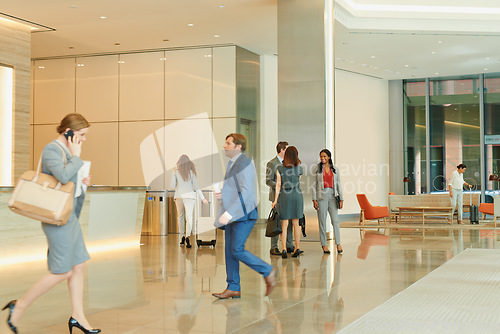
(67, 253)
(326, 186)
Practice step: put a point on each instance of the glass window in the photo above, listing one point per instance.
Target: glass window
(492, 135)
(415, 146)
(454, 131)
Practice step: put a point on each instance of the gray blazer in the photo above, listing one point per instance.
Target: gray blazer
(239, 193)
(271, 167)
(185, 189)
(318, 186)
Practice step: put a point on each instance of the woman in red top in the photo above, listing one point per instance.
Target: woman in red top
(327, 197)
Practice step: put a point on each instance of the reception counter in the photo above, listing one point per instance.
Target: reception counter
(111, 218)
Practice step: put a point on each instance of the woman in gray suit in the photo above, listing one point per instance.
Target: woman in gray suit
(326, 187)
(67, 253)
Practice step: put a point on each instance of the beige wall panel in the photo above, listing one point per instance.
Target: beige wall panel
(193, 137)
(188, 83)
(97, 88)
(131, 136)
(224, 80)
(222, 127)
(42, 135)
(54, 92)
(101, 148)
(142, 86)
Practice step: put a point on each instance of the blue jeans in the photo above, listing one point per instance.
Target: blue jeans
(236, 234)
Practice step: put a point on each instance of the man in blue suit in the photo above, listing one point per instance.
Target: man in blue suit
(237, 215)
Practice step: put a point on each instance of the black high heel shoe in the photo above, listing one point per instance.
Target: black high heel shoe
(188, 243)
(183, 240)
(11, 306)
(73, 323)
(283, 255)
(296, 253)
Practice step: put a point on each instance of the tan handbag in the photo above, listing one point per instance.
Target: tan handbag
(42, 197)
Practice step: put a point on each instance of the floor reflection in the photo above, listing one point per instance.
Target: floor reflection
(162, 287)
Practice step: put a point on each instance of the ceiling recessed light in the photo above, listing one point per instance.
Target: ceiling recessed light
(375, 67)
(485, 69)
(221, 6)
(121, 62)
(363, 64)
(436, 73)
(190, 24)
(103, 17)
(208, 56)
(41, 66)
(487, 58)
(433, 52)
(216, 36)
(407, 65)
(439, 42)
(73, 6)
(372, 57)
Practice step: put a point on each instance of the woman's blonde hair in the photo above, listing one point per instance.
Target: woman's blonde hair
(73, 121)
(185, 166)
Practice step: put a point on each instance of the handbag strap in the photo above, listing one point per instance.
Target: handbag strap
(35, 178)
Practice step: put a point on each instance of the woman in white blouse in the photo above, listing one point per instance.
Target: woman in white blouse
(456, 188)
(186, 187)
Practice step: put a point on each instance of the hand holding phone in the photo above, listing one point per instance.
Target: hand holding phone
(69, 134)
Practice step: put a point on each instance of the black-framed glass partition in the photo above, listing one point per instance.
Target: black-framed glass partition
(415, 139)
(449, 121)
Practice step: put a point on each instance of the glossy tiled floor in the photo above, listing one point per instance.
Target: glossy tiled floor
(160, 287)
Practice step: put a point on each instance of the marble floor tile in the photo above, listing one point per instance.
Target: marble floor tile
(161, 287)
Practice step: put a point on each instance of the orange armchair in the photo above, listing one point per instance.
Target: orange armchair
(370, 212)
(487, 209)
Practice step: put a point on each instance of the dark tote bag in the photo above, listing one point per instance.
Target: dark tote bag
(273, 224)
(302, 224)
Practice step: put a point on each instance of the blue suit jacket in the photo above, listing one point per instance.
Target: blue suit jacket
(238, 193)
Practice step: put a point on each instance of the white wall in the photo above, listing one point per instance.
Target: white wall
(268, 124)
(362, 138)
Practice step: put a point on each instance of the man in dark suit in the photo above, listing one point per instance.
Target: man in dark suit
(237, 215)
(271, 182)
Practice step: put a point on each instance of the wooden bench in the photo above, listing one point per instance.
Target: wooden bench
(424, 211)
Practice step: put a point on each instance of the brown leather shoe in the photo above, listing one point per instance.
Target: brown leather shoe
(270, 282)
(227, 294)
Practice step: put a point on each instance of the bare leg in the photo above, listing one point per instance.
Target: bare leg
(296, 233)
(284, 226)
(75, 285)
(43, 285)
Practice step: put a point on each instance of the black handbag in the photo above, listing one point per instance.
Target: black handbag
(273, 227)
(337, 199)
(302, 224)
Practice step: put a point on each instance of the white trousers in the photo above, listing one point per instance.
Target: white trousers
(185, 212)
(457, 198)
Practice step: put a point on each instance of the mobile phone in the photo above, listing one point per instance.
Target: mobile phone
(69, 134)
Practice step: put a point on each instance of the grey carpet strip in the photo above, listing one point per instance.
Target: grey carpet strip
(461, 296)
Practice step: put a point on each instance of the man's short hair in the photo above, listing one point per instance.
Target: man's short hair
(238, 139)
(281, 146)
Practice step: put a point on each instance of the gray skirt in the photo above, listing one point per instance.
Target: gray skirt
(66, 246)
(291, 203)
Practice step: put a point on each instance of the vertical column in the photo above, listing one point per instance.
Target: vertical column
(396, 141)
(305, 64)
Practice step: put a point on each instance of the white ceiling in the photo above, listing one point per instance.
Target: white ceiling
(390, 39)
